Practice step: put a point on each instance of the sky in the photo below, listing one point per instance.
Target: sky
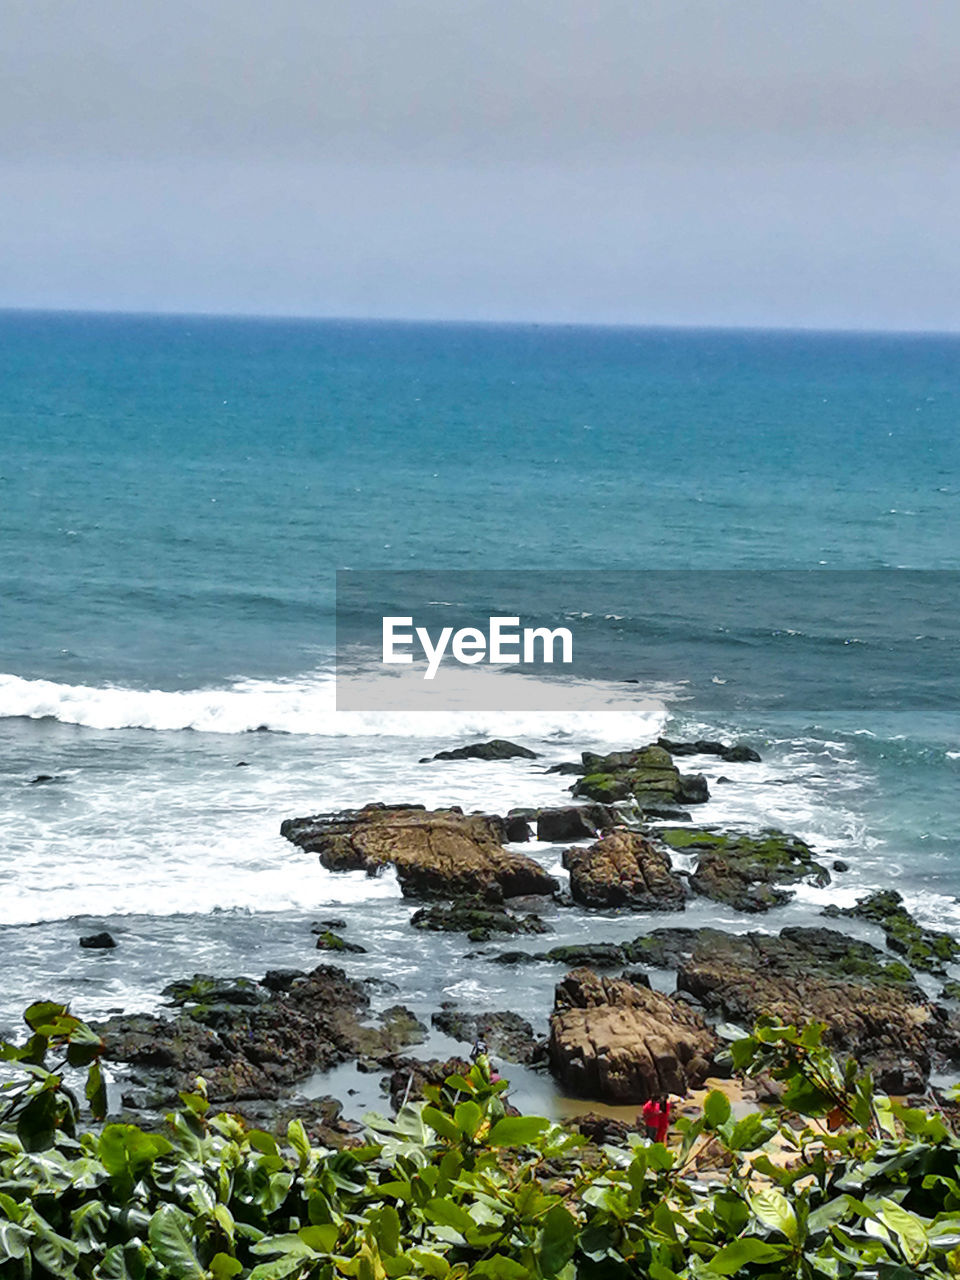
(695, 162)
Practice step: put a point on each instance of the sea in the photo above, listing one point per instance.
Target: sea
(177, 495)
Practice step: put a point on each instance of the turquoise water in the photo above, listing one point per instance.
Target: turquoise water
(177, 493)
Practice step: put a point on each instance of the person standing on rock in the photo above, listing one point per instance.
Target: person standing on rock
(656, 1117)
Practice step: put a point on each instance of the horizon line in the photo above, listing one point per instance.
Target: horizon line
(465, 321)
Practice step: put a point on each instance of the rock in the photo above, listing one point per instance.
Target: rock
(257, 1049)
(321, 1117)
(873, 1010)
(497, 749)
(596, 955)
(282, 979)
(951, 990)
(738, 753)
(399, 1027)
(604, 1130)
(624, 869)
(506, 1034)
(745, 871)
(666, 813)
(838, 864)
(927, 949)
(438, 854)
(318, 926)
(409, 1076)
(516, 826)
(662, 948)
(516, 957)
(619, 1043)
(476, 919)
(575, 822)
(567, 767)
(646, 774)
(98, 941)
(330, 941)
(41, 778)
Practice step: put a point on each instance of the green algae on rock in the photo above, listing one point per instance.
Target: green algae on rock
(746, 871)
(930, 950)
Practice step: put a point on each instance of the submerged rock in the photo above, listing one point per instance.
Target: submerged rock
(618, 1042)
(497, 749)
(645, 774)
(441, 853)
(736, 753)
(930, 950)
(476, 919)
(257, 1046)
(746, 871)
(624, 869)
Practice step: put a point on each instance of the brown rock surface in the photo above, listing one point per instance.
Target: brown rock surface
(616, 1042)
(441, 853)
(624, 869)
(872, 1008)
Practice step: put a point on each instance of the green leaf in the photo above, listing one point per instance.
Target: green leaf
(432, 1263)
(322, 1237)
(751, 1132)
(170, 1238)
(96, 1091)
(223, 1267)
(468, 1117)
(448, 1213)
(739, 1253)
(558, 1240)
(43, 1013)
(774, 1210)
(500, 1267)
(516, 1131)
(297, 1137)
(908, 1228)
(37, 1122)
(716, 1109)
(278, 1269)
(441, 1124)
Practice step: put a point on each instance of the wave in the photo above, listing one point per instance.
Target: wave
(307, 705)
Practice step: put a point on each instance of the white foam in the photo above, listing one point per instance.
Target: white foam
(307, 705)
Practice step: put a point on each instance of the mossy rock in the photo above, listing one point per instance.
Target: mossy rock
(330, 941)
(930, 950)
(746, 872)
(478, 921)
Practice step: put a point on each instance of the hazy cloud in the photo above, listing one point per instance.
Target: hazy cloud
(714, 161)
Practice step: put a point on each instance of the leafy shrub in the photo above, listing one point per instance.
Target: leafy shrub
(838, 1182)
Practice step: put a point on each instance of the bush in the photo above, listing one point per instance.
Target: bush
(838, 1182)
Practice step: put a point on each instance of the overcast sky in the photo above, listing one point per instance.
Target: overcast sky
(744, 162)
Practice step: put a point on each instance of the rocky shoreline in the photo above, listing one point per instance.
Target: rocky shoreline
(617, 1031)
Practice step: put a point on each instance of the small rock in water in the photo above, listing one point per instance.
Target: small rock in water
(98, 941)
(320, 925)
(330, 941)
(42, 777)
(497, 749)
(840, 865)
(242, 764)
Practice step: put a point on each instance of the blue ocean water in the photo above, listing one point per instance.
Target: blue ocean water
(176, 495)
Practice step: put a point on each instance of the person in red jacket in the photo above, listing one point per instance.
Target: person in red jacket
(656, 1117)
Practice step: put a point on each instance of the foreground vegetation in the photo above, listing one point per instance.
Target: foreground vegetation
(836, 1182)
